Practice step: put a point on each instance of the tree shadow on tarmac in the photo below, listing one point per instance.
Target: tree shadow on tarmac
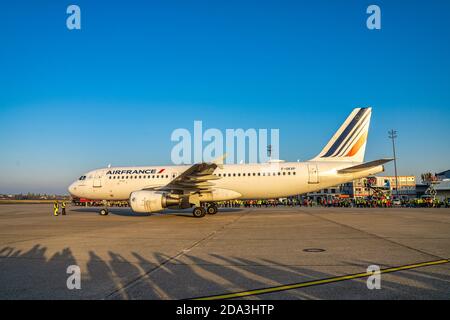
(35, 274)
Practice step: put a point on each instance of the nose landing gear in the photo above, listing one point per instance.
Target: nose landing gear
(104, 211)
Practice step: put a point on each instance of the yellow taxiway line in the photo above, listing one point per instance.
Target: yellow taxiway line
(319, 282)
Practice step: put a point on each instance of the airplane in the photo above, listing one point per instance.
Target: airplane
(155, 188)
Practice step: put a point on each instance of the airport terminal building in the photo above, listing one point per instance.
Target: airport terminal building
(443, 187)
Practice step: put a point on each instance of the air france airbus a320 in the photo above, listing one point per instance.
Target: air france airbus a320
(153, 189)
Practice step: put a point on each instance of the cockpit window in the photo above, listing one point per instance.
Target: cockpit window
(82, 178)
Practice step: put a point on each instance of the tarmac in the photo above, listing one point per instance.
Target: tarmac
(175, 256)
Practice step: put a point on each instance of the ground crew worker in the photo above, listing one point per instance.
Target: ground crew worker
(55, 208)
(63, 208)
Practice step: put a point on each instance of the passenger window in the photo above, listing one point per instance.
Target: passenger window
(284, 173)
(259, 174)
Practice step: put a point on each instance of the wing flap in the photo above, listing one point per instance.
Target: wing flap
(195, 179)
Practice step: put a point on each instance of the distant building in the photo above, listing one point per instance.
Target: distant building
(443, 187)
(356, 189)
(406, 185)
(437, 184)
(365, 187)
(421, 189)
(443, 190)
(443, 175)
(326, 194)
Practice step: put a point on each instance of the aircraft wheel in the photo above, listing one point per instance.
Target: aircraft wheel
(103, 212)
(212, 209)
(199, 212)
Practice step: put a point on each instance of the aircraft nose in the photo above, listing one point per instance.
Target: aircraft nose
(73, 189)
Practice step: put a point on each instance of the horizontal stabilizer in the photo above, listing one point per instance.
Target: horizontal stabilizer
(365, 166)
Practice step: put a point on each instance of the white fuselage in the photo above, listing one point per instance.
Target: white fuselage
(251, 181)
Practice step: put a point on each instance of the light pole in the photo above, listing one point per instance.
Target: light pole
(393, 135)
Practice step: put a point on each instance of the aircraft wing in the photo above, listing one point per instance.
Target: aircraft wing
(364, 166)
(195, 179)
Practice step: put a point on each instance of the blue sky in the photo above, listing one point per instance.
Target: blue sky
(114, 91)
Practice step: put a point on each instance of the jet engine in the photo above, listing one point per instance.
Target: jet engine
(152, 201)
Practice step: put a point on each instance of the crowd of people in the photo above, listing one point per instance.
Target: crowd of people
(336, 202)
(308, 202)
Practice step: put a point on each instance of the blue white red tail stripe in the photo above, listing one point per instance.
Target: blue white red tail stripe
(348, 143)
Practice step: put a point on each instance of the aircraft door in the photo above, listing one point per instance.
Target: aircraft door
(313, 174)
(97, 182)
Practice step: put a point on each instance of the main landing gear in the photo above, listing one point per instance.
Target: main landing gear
(212, 209)
(200, 212)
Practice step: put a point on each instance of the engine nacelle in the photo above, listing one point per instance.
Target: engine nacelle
(151, 201)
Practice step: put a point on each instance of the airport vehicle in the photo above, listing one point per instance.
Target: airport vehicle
(427, 200)
(155, 188)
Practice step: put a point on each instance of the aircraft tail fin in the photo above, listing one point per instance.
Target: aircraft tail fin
(349, 142)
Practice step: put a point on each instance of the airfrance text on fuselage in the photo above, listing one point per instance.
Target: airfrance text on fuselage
(147, 171)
